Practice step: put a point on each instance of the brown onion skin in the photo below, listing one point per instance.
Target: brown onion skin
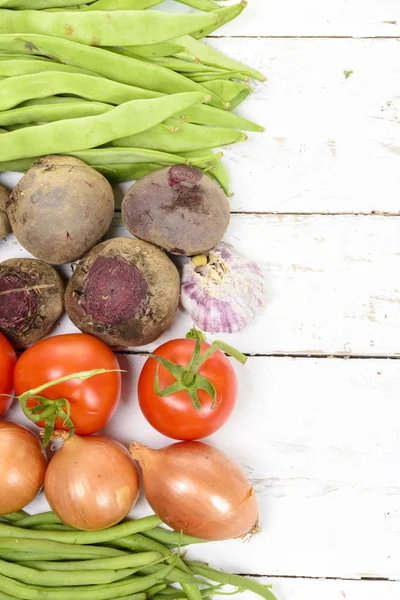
(91, 483)
(198, 489)
(22, 467)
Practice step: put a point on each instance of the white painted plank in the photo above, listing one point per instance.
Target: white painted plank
(333, 282)
(319, 439)
(332, 145)
(306, 589)
(356, 18)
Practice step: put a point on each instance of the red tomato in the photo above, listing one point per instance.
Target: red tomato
(7, 364)
(93, 401)
(175, 415)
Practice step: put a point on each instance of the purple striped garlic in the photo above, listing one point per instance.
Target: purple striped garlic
(222, 291)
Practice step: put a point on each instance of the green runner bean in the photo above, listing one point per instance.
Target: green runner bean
(185, 138)
(155, 50)
(123, 562)
(111, 28)
(183, 66)
(205, 77)
(74, 135)
(15, 90)
(206, 5)
(109, 64)
(231, 91)
(225, 15)
(37, 4)
(55, 112)
(210, 56)
(21, 66)
(112, 5)
(61, 578)
(209, 115)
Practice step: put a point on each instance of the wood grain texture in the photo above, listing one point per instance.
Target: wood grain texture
(355, 18)
(333, 283)
(306, 589)
(319, 440)
(331, 144)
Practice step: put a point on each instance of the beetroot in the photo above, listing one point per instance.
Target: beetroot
(31, 300)
(125, 292)
(177, 208)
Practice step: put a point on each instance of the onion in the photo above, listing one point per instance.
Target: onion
(199, 490)
(91, 483)
(22, 467)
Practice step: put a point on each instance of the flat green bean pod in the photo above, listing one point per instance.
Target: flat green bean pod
(225, 15)
(215, 169)
(155, 50)
(47, 113)
(183, 66)
(210, 56)
(109, 64)
(21, 66)
(205, 5)
(107, 28)
(209, 115)
(120, 173)
(112, 5)
(99, 157)
(185, 138)
(231, 91)
(210, 76)
(16, 90)
(37, 4)
(88, 132)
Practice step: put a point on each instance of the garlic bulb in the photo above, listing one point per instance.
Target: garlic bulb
(222, 291)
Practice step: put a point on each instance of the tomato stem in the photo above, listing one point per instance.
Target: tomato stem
(188, 378)
(49, 410)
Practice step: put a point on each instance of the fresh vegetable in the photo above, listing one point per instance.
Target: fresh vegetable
(83, 405)
(7, 362)
(91, 483)
(5, 226)
(177, 136)
(125, 292)
(154, 65)
(103, 62)
(178, 208)
(22, 467)
(106, 28)
(74, 561)
(79, 134)
(222, 291)
(188, 389)
(31, 299)
(198, 489)
(60, 209)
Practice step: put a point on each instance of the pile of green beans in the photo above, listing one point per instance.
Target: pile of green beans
(135, 560)
(125, 89)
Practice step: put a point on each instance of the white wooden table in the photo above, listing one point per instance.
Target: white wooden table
(317, 204)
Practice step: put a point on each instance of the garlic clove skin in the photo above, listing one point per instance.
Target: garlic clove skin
(223, 291)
